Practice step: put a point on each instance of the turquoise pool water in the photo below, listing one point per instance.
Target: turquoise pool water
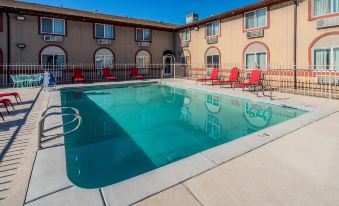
(128, 130)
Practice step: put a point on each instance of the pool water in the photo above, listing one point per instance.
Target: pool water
(131, 129)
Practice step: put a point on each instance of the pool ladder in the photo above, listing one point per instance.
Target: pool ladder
(42, 132)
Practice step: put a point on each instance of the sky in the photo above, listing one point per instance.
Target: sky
(170, 11)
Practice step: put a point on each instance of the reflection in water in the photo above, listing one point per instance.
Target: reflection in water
(213, 103)
(128, 131)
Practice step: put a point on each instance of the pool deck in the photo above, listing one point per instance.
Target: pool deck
(294, 165)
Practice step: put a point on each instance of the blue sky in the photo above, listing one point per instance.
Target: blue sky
(172, 11)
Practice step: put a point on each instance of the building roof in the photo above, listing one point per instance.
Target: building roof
(38, 9)
(73, 14)
(235, 12)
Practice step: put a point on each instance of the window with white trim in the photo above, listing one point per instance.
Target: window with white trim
(53, 57)
(256, 60)
(325, 7)
(143, 34)
(104, 59)
(105, 31)
(186, 35)
(143, 59)
(213, 29)
(326, 58)
(52, 26)
(256, 19)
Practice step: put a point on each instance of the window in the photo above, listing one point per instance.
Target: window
(186, 35)
(143, 34)
(53, 57)
(326, 58)
(143, 59)
(324, 7)
(104, 31)
(213, 100)
(256, 19)
(256, 60)
(52, 26)
(104, 59)
(212, 58)
(213, 29)
(185, 57)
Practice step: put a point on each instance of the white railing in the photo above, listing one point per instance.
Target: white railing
(305, 80)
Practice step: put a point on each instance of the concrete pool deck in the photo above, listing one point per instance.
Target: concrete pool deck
(299, 168)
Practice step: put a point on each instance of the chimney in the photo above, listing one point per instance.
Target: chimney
(190, 18)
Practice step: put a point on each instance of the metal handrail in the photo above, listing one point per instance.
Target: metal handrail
(52, 137)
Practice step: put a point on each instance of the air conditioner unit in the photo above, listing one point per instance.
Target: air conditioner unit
(255, 34)
(184, 44)
(143, 44)
(104, 41)
(326, 80)
(212, 40)
(52, 38)
(328, 22)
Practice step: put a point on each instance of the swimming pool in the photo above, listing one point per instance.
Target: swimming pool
(131, 129)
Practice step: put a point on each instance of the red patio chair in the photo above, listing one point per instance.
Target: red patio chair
(254, 80)
(214, 76)
(108, 75)
(14, 94)
(78, 75)
(6, 102)
(135, 73)
(231, 80)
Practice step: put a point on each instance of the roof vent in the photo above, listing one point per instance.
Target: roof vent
(190, 18)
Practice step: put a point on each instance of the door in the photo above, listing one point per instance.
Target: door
(168, 65)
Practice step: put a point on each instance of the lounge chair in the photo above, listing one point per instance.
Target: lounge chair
(231, 80)
(6, 102)
(78, 75)
(213, 77)
(14, 94)
(135, 73)
(108, 76)
(254, 80)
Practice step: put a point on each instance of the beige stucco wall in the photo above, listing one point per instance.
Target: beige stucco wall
(278, 38)
(79, 43)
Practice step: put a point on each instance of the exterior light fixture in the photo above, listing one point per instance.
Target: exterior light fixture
(20, 18)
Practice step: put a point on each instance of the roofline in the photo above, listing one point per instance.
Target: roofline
(235, 12)
(33, 12)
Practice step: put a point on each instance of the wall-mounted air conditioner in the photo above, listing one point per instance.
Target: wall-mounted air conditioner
(184, 44)
(328, 22)
(143, 44)
(212, 40)
(52, 38)
(255, 34)
(104, 41)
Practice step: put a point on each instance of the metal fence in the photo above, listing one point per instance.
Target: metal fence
(298, 80)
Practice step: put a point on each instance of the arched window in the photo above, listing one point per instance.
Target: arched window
(53, 57)
(104, 58)
(143, 59)
(185, 57)
(212, 58)
(256, 56)
(325, 52)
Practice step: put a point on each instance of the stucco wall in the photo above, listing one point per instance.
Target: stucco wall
(79, 43)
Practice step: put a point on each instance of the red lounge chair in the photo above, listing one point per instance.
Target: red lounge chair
(135, 73)
(107, 75)
(231, 80)
(14, 94)
(214, 76)
(6, 102)
(78, 75)
(253, 81)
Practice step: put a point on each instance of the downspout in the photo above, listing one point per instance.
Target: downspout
(8, 45)
(295, 36)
